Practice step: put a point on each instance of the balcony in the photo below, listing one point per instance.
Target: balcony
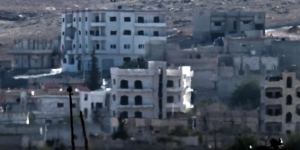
(97, 24)
(145, 90)
(174, 89)
(131, 106)
(151, 24)
(98, 37)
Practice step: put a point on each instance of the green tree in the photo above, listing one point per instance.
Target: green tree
(93, 81)
(243, 143)
(246, 96)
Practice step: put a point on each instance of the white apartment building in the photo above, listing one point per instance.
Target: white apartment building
(115, 35)
(94, 104)
(155, 92)
(280, 105)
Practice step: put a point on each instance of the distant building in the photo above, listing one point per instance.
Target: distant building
(155, 92)
(117, 36)
(280, 106)
(35, 54)
(94, 104)
(209, 25)
(54, 108)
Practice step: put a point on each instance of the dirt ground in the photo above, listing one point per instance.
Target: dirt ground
(35, 18)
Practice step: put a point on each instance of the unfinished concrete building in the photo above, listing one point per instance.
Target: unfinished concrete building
(209, 25)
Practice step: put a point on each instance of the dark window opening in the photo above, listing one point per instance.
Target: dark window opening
(97, 19)
(124, 84)
(124, 100)
(273, 110)
(170, 83)
(127, 19)
(127, 32)
(217, 23)
(113, 32)
(99, 105)
(156, 19)
(289, 100)
(138, 100)
(138, 114)
(138, 84)
(113, 19)
(288, 117)
(141, 20)
(60, 105)
(289, 82)
(155, 33)
(259, 26)
(170, 99)
(141, 32)
(124, 114)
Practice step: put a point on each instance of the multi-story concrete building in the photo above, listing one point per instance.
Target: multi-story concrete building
(35, 54)
(280, 105)
(116, 36)
(210, 25)
(155, 92)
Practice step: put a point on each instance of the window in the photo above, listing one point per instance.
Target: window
(138, 100)
(138, 114)
(141, 46)
(114, 97)
(73, 105)
(72, 60)
(124, 114)
(85, 97)
(273, 127)
(273, 110)
(217, 23)
(289, 82)
(113, 19)
(85, 112)
(156, 19)
(169, 114)
(155, 33)
(126, 46)
(289, 100)
(298, 109)
(170, 99)
(99, 105)
(124, 100)
(92, 105)
(63, 19)
(113, 46)
(246, 21)
(140, 19)
(170, 83)
(288, 117)
(113, 32)
(138, 84)
(97, 19)
(141, 32)
(79, 19)
(273, 92)
(127, 19)
(97, 46)
(124, 84)
(86, 19)
(63, 33)
(60, 105)
(126, 32)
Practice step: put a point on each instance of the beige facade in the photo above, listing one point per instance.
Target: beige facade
(280, 105)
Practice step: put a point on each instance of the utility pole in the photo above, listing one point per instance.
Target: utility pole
(69, 89)
(86, 145)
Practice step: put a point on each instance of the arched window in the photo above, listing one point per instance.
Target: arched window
(124, 100)
(289, 100)
(288, 117)
(124, 114)
(138, 84)
(289, 82)
(124, 84)
(138, 114)
(138, 100)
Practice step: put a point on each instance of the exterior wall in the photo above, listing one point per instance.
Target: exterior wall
(54, 108)
(285, 125)
(34, 54)
(209, 25)
(92, 103)
(83, 32)
(154, 81)
(255, 63)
